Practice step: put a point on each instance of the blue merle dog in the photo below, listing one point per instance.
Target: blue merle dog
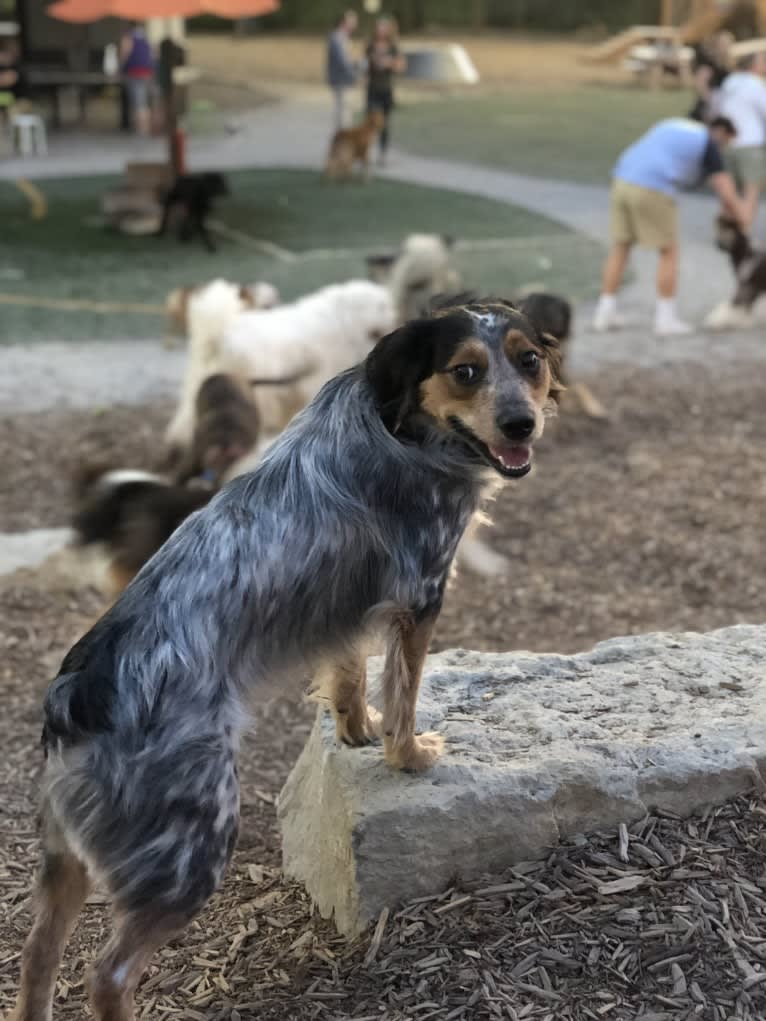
(350, 524)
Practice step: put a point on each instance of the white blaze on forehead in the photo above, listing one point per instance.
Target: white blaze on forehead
(488, 319)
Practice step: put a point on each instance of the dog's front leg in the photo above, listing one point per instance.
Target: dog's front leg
(343, 682)
(406, 652)
(203, 230)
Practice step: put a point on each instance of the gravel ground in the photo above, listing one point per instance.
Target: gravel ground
(652, 520)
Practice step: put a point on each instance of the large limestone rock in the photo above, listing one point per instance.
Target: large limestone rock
(538, 747)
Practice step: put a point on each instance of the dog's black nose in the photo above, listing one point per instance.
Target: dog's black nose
(517, 427)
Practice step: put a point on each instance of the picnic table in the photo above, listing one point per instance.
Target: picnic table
(57, 81)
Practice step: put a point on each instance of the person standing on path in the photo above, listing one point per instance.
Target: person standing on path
(676, 153)
(137, 63)
(341, 69)
(383, 61)
(742, 98)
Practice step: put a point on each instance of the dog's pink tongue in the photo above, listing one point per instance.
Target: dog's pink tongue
(516, 456)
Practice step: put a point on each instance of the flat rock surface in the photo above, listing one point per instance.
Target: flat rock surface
(538, 748)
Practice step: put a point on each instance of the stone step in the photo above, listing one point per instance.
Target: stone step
(539, 748)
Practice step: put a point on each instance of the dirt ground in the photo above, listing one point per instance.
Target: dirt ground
(652, 520)
(500, 58)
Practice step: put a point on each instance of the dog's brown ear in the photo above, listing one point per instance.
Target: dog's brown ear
(552, 349)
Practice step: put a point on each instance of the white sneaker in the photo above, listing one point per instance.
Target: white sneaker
(672, 327)
(606, 320)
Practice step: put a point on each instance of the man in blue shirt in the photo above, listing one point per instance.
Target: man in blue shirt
(341, 69)
(676, 153)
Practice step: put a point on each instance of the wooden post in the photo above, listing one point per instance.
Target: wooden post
(666, 13)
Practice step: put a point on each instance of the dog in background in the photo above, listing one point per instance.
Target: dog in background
(130, 514)
(346, 531)
(421, 270)
(553, 315)
(257, 295)
(306, 341)
(226, 428)
(194, 195)
(749, 265)
(351, 146)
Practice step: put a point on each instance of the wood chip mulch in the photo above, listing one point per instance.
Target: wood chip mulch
(665, 921)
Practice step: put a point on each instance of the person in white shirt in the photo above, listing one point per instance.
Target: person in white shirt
(742, 98)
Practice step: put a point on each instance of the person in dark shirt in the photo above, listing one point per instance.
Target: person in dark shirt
(383, 61)
(710, 66)
(138, 73)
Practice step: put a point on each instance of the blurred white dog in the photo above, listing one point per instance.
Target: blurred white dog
(422, 269)
(258, 295)
(309, 341)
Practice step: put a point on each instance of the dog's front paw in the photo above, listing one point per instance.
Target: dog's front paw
(420, 753)
(729, 317)
(357, 730)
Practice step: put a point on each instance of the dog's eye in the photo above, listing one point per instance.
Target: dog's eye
(467, 374)
(530, 361)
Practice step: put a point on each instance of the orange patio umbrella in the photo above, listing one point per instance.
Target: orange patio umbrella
(83, 11)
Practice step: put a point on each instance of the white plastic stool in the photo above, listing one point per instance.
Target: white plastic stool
(29, 135)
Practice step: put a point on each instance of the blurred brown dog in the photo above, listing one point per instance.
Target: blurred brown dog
(351, 146)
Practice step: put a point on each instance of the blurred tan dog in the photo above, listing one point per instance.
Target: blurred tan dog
(351, 146)
(257, 295)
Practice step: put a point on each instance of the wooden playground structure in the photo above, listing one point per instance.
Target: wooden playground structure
(683, 23)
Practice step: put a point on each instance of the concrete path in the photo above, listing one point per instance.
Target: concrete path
(294, 133)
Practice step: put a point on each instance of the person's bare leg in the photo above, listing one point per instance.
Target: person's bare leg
(667, 272)
(751, 195)
(143, 121)
(666, 320)
(614, 267)
(606, 317)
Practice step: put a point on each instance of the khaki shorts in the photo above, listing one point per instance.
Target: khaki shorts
(747, 164)
(642, 216)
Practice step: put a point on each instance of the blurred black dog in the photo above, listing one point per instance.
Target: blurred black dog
(749, 265)
(131, 514)
(553, 314)
(195, 194)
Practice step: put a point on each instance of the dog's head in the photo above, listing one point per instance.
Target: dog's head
(729, 236)
(215, 184)
(479, 375)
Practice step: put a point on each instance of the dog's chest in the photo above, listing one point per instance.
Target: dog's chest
(434, 537)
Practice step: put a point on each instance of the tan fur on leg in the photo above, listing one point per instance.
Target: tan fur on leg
(589, 403)
(343, 683)
(405, 655)
(61, 891)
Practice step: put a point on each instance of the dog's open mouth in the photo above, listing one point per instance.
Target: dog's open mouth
(511, 460)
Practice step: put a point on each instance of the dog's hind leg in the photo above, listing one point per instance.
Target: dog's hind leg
(204, 233)
(343, 682)
(62, 887)
(406, 652)
(162, 864)
(115, 977)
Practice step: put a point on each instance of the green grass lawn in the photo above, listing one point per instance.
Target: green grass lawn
(574, 134)
(70, 255)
